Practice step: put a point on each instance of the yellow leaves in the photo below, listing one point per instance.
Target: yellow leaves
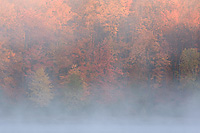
(40, 88)
(74, 70)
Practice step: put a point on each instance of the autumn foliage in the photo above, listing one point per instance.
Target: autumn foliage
(84, 52)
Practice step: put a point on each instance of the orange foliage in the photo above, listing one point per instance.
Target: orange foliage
(104, 39)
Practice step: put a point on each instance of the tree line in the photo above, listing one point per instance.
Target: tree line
(83, 52)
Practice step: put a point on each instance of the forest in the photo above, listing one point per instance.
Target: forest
(132, 57)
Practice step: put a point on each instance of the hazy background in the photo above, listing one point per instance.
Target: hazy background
(99, 65)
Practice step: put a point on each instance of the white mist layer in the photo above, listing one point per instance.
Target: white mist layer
(104, 126)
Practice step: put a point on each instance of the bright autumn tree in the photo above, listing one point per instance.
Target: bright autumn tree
(10, 28)
(166, 22)
(9, 80)
(101, 38)
(111, 12)
(36, 56)
(7, 15)
(148, 59)
(58, 15)
(97, 66)
(40, 90)
(11, 40)
(106, 13)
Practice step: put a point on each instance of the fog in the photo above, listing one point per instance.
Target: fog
(100, 128)
(87, 66)
(98, 120)
(106, 125)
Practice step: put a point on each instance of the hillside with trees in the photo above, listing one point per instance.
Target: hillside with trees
(140, 56)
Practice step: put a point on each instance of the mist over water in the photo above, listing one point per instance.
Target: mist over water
(95, 66)
(108, 125)
(102, 120)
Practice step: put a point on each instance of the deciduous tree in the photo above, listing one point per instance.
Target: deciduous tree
(40, 90)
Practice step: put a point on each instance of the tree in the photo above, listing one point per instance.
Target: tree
(7, 15)
(74, 90)
(98, 66)
(148, 59)
(189, 66)
(8, 71)
(40, 89)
